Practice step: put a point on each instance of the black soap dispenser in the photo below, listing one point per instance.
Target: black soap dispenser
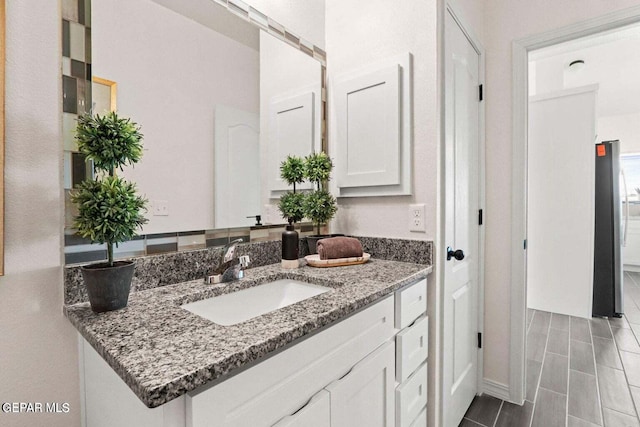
(290, 247)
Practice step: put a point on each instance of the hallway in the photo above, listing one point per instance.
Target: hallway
(579, 372)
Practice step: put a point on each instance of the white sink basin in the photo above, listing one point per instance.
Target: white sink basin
(236, 307)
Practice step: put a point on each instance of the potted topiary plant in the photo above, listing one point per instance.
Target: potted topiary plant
(109, 210)
(319, 205)
(292, 172)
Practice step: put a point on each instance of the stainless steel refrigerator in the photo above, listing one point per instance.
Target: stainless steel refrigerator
(607, 266)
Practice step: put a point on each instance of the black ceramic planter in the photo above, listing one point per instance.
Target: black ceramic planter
(108, 287)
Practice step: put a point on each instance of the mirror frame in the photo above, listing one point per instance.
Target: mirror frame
(262, 22)
(2, 130)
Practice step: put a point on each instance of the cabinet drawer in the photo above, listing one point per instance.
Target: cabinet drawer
(411, 397)
(412, 348)
(411, 303)
(421, 420)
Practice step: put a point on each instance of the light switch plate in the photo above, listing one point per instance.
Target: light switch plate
(160, 208)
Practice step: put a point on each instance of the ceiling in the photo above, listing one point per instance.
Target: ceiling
(612, 60)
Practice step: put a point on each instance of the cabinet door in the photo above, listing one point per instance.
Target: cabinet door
(631, 252)
(316, 413)
(365, 396)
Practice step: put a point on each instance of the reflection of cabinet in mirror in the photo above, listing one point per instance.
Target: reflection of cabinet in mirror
(291, 103)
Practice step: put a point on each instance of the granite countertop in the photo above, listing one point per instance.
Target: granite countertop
(162, 351)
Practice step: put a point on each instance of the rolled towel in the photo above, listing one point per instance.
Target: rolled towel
(339, 247)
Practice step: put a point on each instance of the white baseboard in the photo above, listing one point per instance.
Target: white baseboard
(495, 389)
(634, 268)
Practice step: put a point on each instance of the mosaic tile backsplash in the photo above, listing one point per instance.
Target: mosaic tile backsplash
(166, 269)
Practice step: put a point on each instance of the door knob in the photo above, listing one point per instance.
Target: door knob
(457, 254)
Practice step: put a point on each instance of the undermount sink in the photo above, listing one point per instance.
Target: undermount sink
(236, 307)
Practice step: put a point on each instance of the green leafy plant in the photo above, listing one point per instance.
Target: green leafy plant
(290, 205)
(319, 206)
(109, 141)
(109, 210)
(317, 168)
(292, 171)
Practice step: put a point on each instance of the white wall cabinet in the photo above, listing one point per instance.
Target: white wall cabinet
(373, 129)
(631, 252)
(342, 376)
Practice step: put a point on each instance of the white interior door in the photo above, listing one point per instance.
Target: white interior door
(237, 167)
(560, 201)
(460, 310)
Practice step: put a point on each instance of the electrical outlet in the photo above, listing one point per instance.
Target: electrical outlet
(160, 208)
(416, 218)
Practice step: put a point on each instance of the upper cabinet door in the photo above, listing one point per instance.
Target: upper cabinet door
(371, 109)
(365, 396)
(369, 129)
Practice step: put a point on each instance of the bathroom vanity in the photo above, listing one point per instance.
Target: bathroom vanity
(354, 355)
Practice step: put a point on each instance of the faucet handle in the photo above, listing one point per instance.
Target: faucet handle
(229, 250)
(244, 261)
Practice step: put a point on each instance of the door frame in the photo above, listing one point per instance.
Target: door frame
(451, 8)
(519, 101)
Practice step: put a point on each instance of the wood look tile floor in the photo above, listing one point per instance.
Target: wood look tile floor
(579, 372)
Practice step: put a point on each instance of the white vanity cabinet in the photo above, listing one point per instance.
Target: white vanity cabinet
(283, 384)
(364, 397)
(345, 375)
(316, 413)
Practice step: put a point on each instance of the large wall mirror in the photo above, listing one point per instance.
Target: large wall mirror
(222, 94)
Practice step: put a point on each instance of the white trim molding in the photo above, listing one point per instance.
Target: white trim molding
(496, 389)
(520, 51)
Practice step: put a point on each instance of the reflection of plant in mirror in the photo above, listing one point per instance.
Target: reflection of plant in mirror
(109, 211)
(317, 168)
(109, 141)
(292, 172)
(319, 206)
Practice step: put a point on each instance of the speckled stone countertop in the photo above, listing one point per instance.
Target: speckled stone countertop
(163, 351)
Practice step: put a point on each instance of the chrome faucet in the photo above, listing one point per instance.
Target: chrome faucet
(229, 268)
